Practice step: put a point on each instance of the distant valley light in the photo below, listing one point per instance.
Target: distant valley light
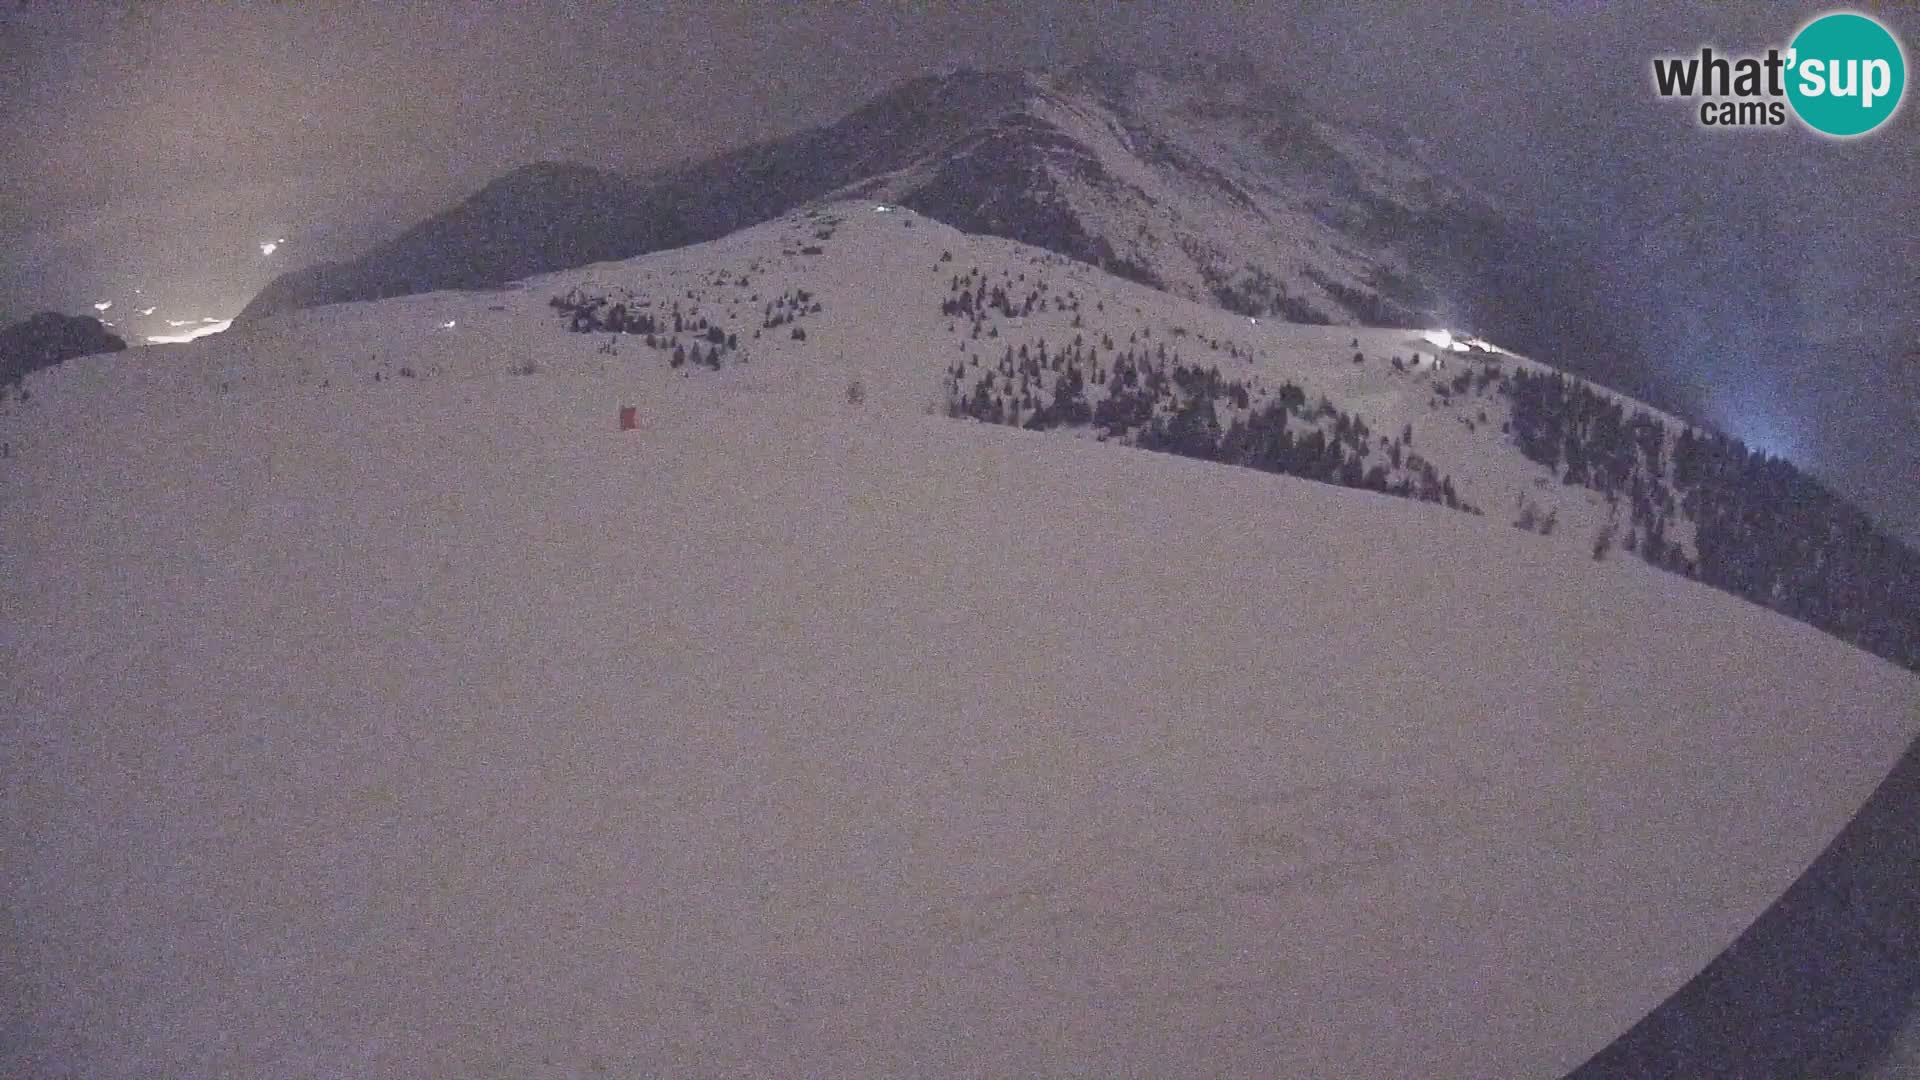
(207, 327)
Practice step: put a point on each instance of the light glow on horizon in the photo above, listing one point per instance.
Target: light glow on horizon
(207, 327)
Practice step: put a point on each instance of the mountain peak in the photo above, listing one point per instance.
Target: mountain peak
(1205, 175)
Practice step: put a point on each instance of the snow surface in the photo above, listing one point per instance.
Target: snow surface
(433, 726)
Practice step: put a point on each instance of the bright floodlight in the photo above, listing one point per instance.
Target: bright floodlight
(1444, 339)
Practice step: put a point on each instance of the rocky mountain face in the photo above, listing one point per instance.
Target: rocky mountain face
(1211, 180)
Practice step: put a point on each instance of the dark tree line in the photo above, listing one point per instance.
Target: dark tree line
(1591, 441)
(1157, 402)
(1770, 533)
(706, 343)
(969, 296)
(788, 307)
(1764, 530)
(1257, 292)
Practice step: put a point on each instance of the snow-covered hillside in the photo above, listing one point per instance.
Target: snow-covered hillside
(379, 708)
(879, 288)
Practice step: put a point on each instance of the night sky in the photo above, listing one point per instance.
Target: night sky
(1770, 275)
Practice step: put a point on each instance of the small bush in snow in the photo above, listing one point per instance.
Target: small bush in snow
(1603, 542)
(1532, 519)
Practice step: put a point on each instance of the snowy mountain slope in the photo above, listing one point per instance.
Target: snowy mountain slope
(880, 283)
(378, 710)
(1209, 179)
(1595, 466)
(932, 319)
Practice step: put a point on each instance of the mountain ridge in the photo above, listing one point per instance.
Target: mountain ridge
(1210, 178)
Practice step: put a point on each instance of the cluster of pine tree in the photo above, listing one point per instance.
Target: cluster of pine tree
(789, 306)
(1591, 441)
(1158, 402)
(1770, 533)
(997, 397)
(1370, 308)
(1763, 530)
(705, 342)
(1562, 422)
(1258, 293)
(970, 297)
(1265, 441)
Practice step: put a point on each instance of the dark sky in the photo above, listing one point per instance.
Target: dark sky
(1773, 275)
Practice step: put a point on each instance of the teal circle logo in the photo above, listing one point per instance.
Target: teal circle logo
(1846, 74)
